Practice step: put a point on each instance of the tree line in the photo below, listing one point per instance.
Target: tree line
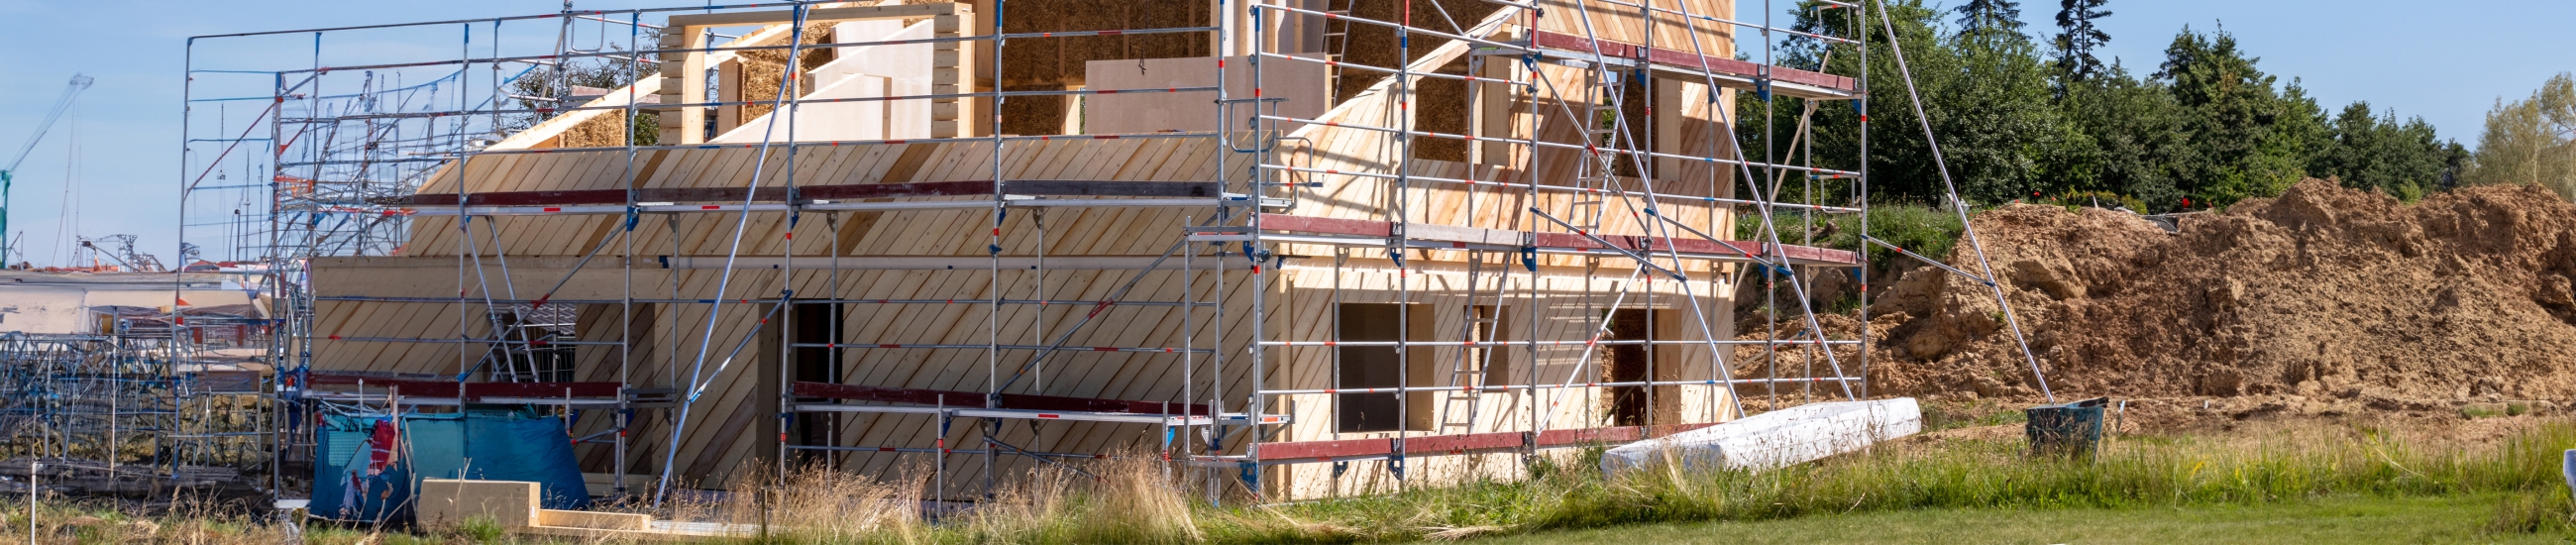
(2021, 116)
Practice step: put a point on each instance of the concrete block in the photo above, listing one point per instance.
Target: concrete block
(513, 504)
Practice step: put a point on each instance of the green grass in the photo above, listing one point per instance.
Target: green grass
(2341, 519)
(2335, 482)
(1970, 414)
(2135, 473)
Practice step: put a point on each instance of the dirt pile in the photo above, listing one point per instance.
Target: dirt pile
(2324, 292)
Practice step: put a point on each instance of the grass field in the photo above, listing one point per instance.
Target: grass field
(2444, 519)
(2309, 483)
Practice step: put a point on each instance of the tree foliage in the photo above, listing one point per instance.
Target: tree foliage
(2379, 152)
(1989, 16)
(2127, 136)
(2077, 38)
(2016, 118)
(2531, 141)
(2254, 139)
(1993, 151)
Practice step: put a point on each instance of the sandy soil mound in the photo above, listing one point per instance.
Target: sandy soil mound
(2323, 292)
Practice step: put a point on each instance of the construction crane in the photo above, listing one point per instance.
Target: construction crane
(79, 83)
(124, 253)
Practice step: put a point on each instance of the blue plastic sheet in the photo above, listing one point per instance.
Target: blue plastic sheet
(481, 444)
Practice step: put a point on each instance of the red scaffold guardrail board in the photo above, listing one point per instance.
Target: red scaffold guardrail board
(1463, 443)
(963, 400)
(1689, 61)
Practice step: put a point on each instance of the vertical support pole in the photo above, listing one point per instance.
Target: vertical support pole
(624, 418)
(939, 471)
(1396, 244)
(178, 277)
(993, 312)
(1225, 45)
(1771, 173)
(32, 466)
(1862, 183)
(1646, 170)
(1189, 344)
(1215, 445)
(1258, 254)
(793, 90)
(1529, 250)
(832, 347)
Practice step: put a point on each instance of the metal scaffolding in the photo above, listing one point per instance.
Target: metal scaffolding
(140, 401)
(351, 144)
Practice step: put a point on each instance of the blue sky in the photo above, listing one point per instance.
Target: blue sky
(2448, 65)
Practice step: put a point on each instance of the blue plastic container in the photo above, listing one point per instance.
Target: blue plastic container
(2065, 429)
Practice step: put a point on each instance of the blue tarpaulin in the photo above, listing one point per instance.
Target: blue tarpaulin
(482, 444)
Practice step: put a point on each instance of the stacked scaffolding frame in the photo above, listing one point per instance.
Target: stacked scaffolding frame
(1240, 225)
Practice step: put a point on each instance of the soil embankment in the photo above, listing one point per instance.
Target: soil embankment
(2324, 295)
(2322, 292)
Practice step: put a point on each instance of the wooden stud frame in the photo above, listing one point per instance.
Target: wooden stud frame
(954, 70)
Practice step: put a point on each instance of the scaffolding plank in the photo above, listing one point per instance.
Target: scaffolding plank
(920, 396)
(472, 390)
(1642, 244)
(1690, 61)
(1088, 188)
(1425, 445)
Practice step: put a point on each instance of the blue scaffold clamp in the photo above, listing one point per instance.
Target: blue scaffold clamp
(1529, 258)
(1530, 61)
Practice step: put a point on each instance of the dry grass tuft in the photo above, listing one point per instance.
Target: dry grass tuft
(1138, 500)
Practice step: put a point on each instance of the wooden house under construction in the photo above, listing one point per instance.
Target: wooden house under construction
(1305, 247)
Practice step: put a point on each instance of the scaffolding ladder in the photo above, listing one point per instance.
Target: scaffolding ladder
(1482, 324)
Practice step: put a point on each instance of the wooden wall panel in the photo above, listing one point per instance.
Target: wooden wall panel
(1298, 295)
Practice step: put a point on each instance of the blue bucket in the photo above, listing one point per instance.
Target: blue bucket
(2065, 429)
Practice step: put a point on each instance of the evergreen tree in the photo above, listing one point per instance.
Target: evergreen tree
(2255, 139)
(2405, 160)
(2077, 38)
(1987, 98)
(2126, 136)
(2208, 127)
(1979, 17)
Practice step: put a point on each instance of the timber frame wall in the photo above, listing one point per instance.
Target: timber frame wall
(993, 303)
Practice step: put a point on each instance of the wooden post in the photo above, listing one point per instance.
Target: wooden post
(954, 70)
(685, 125)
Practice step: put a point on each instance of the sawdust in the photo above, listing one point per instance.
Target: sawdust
(2325, 297)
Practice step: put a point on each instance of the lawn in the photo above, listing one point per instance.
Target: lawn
(2443, 519)
(2307, 483)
